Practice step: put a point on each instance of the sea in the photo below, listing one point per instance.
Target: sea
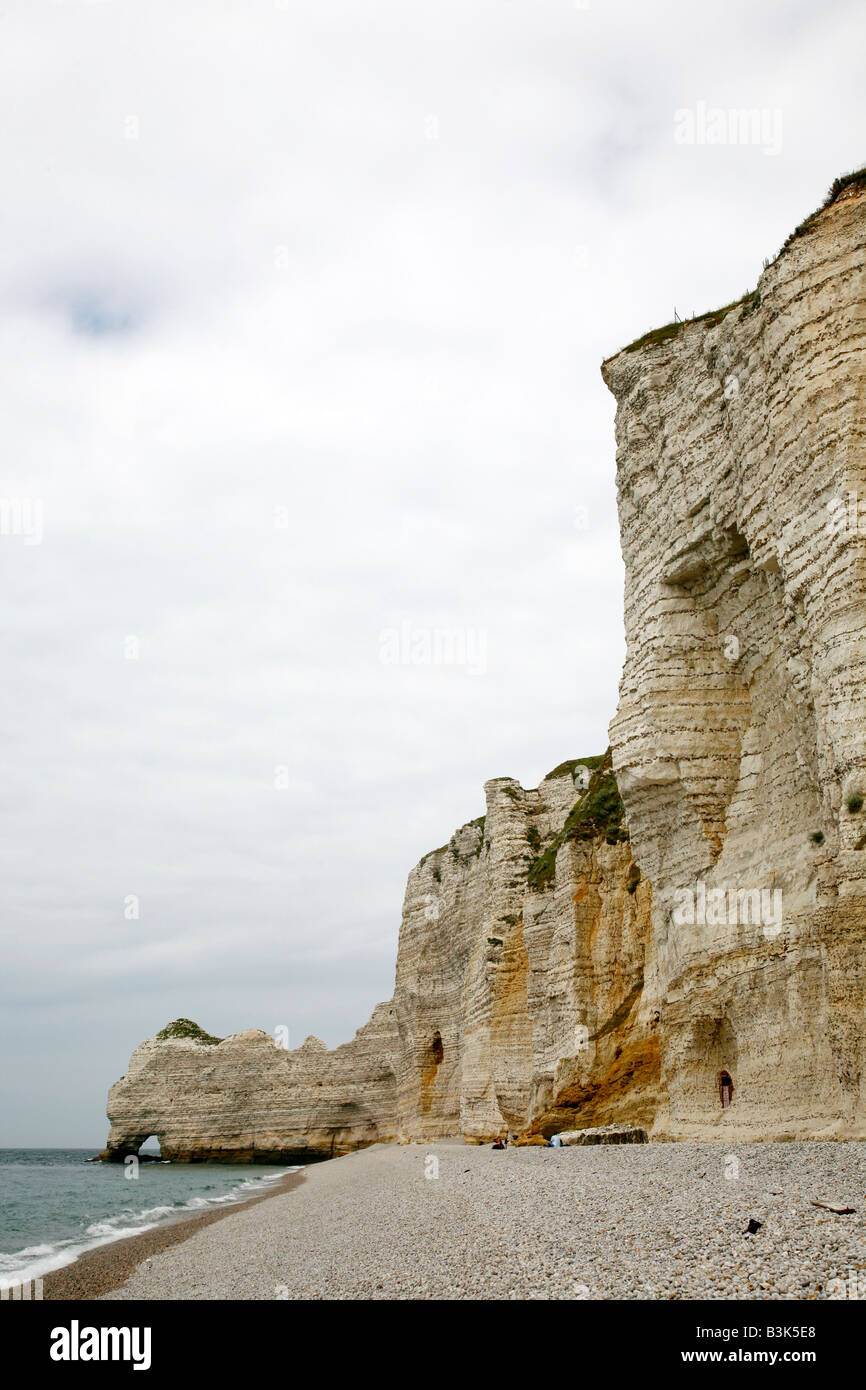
(56, 1203)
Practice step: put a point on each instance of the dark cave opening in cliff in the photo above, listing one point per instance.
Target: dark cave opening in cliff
(726, 1089)
(431, 1059)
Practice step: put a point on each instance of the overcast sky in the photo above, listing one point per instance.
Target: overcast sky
(303, 306)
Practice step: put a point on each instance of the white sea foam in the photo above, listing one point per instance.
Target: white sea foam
(34, 1261)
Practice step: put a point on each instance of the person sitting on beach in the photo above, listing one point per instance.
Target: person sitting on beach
(498, 1144)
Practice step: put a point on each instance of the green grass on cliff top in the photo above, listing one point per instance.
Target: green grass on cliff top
(750, 301)
(856, 179)
(567, 769)
(185, 1028)
(597, 814)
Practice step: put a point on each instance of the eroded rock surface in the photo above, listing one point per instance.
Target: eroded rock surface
(517, 1004)
(603, 1134)
(689, 961)
(248, 1100)
(739, 738)
(520, 993)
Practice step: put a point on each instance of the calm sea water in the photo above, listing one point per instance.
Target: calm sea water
(54, 1203)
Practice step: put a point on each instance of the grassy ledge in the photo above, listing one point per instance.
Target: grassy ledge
(598, 814)
(567, 769)
(477, 824)
(845, 182)
(750, 301)
(185, 1028)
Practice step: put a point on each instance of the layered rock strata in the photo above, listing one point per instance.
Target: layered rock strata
(246, 1099)
(519, 1001)
(688, 960)
(739, 738)
(523, 953)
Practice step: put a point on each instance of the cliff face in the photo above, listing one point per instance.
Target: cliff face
(689, 958)
(739, 738)
(520, 995)
(519, 1003)
(247, 1100)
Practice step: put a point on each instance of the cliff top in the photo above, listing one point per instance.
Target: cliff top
(751, 300)
(598, 813)
(191, 1032)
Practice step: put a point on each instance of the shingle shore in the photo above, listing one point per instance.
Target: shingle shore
(105, 1267)
(632, 1221)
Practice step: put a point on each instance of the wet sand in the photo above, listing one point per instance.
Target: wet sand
(108, 1267)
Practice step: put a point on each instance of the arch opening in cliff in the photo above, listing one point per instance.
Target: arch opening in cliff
(147, 1147)
(150, 1149)
(726, 1089)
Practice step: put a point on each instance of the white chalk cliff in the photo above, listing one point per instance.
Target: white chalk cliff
(681, 943)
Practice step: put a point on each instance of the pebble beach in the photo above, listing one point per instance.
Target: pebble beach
(452, 1221)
